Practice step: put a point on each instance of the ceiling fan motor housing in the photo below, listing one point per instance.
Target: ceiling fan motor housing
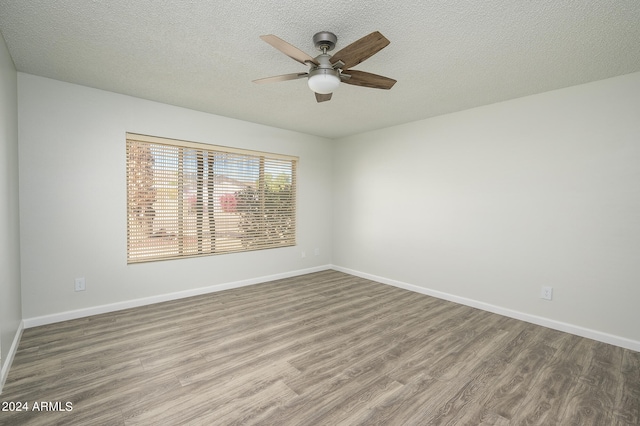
(323, 78)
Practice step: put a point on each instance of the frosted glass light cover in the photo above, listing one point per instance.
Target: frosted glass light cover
(324, 82)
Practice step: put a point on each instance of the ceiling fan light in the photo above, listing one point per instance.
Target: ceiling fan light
(324, 81)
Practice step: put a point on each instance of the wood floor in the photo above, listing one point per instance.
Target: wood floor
(320, 349)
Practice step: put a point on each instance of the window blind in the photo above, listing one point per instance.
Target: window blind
(186, 199)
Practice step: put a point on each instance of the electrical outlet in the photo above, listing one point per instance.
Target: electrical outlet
(317, 252)
(303, 254)
(546, 293)
(80, 284)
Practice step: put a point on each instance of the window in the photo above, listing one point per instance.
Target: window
(186, 199)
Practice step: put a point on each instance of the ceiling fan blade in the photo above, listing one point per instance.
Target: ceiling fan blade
(366, 79)
(289, 50)
(360, 50)
(283, 77)
(323, 98)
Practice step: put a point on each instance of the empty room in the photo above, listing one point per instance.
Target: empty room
(337, 213)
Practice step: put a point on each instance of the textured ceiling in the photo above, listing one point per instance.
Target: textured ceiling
(446, 55)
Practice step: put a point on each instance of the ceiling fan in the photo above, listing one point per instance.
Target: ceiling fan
(327, 71)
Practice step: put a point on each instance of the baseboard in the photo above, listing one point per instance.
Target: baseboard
(545, 322)
(4, 371)
(102, 309)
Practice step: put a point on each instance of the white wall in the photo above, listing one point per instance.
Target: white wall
(490, 204)
(10, 304)
(73, 198)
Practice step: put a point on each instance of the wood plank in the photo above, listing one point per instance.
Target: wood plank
(592, 399)
(627, 405)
